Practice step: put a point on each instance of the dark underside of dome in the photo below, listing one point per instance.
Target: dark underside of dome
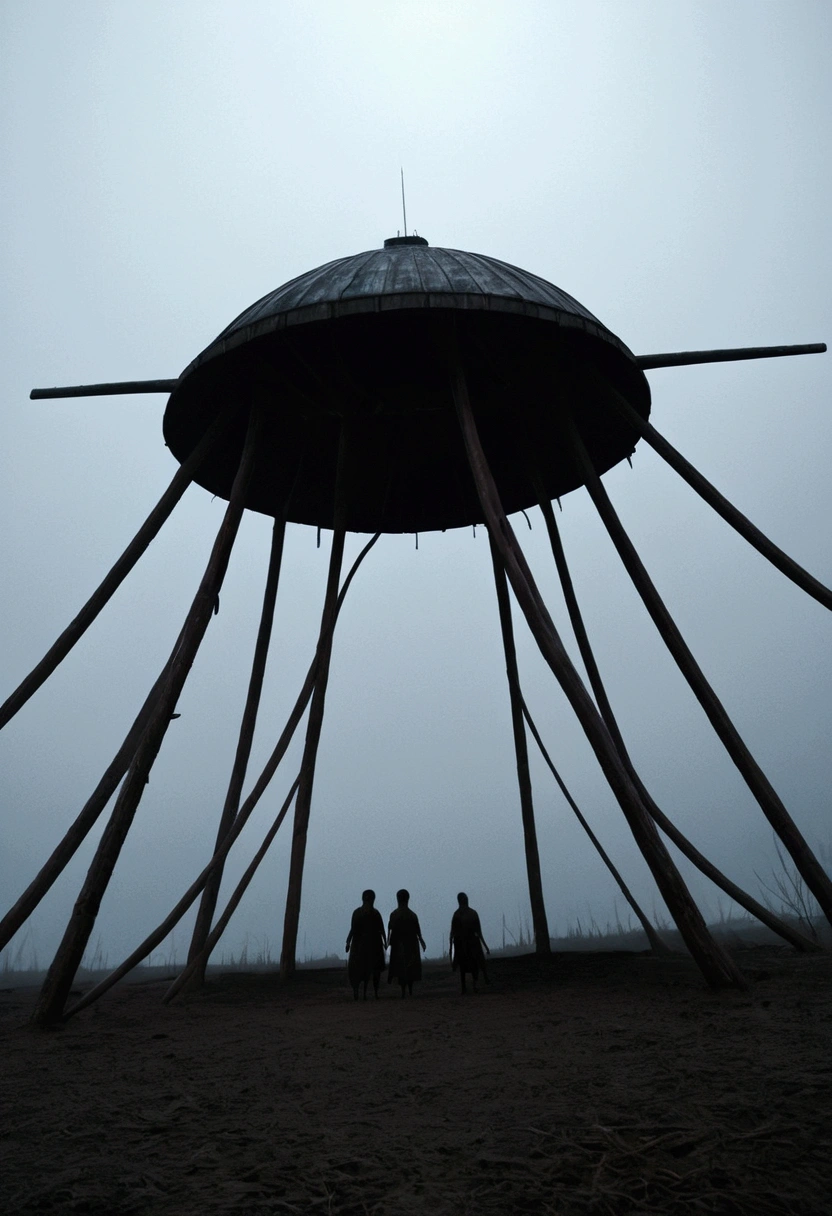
(388, 376)
(381, 371)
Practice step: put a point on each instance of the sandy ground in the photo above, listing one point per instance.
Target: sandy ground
(599, 1084)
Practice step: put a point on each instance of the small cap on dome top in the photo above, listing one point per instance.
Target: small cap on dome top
(393, 241)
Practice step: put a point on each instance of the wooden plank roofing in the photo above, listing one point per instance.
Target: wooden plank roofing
(360, 347)
(402, 276)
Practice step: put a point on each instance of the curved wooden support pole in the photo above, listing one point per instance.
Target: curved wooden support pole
(87, 816)
(716, 966)
(795, 938)
(541, 925)
(747, 530)
(208, 904)
(775, 812)
(576, 617)
(71, 950)
(60, 649)
(291, 919)
(261, 785)
(656, 943)
(197, 965)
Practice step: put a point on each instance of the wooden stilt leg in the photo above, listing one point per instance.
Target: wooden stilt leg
(87, 817)
(656, 943)
(539, 921)
(70, 952)
(208, 903)
(716, 966)
(775, 812)
(61, 648)
(261, 785)
(797, 939)
(747, 530)
(200, 961)
(291, 919)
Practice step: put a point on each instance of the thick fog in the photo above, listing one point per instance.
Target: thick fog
(167, 164)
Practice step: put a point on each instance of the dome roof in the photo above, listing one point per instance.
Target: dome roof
(407, 273)
(363, 342)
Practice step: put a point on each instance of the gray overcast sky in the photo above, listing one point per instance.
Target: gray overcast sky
(167, 164)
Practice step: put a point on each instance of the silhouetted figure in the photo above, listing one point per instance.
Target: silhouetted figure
(405, 938)
(366, 942)
(467, 943)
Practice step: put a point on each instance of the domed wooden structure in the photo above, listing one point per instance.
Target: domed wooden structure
(399, 390)
(364, 339)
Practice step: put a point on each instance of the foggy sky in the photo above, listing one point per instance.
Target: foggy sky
(168, 164)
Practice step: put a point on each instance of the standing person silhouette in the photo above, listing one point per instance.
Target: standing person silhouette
(405, 937)
(467, 943)
(366, 943)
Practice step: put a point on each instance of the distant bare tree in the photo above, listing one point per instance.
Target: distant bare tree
(786, 892)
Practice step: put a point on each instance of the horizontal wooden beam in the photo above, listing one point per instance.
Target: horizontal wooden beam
(681, 358)
(105, 390)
